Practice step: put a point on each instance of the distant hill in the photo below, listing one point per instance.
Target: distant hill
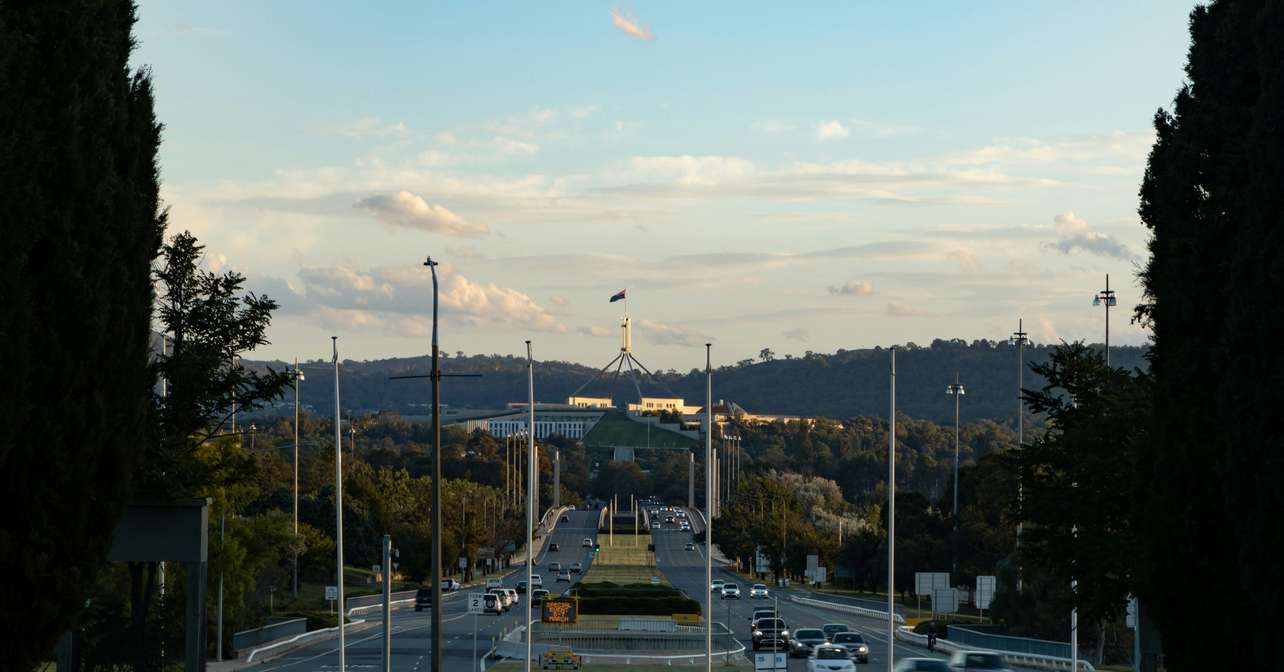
(844, 384)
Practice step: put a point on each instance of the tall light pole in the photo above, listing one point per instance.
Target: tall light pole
(956, 390)
(298, 377)
(1106, 297)
(1019, 339)
(708, 507)
(691, 480)
(530, 496)
(435, 376)
(891, 522)
(338, 505)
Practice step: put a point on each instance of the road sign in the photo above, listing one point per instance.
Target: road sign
(925, 583)
(945, 600)
(985, 586)
(332, 592)
(761, 564)
(463, 563)
(375, 569)
(770, 661)
(560, 610)
(1130, 617)
(476, 603)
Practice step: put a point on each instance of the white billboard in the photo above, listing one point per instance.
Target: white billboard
(927, 582)
(985, 586)
(945, 600)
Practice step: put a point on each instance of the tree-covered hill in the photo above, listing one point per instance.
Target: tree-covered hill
(843, 384)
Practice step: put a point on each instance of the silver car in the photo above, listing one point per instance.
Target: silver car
(988, 661)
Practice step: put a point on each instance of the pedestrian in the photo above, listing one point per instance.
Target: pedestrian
(931, 637)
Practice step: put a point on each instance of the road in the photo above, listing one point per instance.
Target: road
(685, 570)
(412, 632)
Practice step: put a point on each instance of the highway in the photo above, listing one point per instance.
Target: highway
(685, 570)
(412, 632)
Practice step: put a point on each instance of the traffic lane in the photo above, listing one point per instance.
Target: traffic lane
(412, 631)
(686, 571)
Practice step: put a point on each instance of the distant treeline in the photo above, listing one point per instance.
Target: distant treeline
(844, 384)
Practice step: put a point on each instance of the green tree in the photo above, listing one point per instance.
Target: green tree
(81, 226)
(1209, 480)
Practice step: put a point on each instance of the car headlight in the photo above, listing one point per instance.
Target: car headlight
(757, 633)
(784, 633)
(864, 649)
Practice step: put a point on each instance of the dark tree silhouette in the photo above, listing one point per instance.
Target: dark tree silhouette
(81, 226)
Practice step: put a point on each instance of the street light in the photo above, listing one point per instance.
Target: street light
(1019, 339)
(1106, 297)
(956, 390)
(297, 373)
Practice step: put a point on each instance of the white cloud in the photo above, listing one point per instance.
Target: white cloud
(627, 23)
(852, 288)
(367, 127)
(510, 147)
(1128, 147)
(557, 300)
(831, 130)
(1047, 333)
(772, 126)
(967, 259)
(906, 310)
(668, 334)
(688, 170)
(596, 332)
(413, 212)
(1074, 235)
(585, 111)
(882, 130)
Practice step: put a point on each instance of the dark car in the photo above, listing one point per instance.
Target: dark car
(921, 665)
(553, 547)
(521, 586)
(967, 661)
(555, 567)
(831, 629)
(771, 634)
(806, 639)
(855, 643)
(423, 599)
(566, 519)
(576, 567)
(538, 595)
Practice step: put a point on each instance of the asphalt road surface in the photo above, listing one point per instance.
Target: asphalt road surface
(412, 632)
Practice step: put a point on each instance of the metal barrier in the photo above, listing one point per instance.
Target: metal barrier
(364, 601)
(298, 640)
(846, 608)
(1029, 660)
(1041, 647)
(283, 628)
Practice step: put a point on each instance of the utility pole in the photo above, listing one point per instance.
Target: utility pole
(298, 377)
(1106, 298)
(435, 377)
(1019, 339)
(891, 522)
(387, 603)
(338, 506)
(530, 498)
(708, 507)
(691, 480)
(956, 390)
(557, 478)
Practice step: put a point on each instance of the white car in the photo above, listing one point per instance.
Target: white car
(978, 660)
(716, 586)
(758, 591)
(505, 602)
(537, 581)
(830, 658)
(587, 543)
(730, 591)
(512, 593)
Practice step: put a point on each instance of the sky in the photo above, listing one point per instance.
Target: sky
(756, 175)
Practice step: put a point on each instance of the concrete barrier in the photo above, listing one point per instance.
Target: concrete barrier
(1016, 659)
(845, 608)
(287, 627)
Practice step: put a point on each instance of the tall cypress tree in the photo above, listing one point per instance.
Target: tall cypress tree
(1209, 485)
(80, 225)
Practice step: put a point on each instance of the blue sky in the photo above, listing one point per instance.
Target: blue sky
(836, 175)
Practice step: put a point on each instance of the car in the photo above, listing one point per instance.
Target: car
(564, 576)
(762, 612)
(448, 585)
(832, 629)
(921, 665)
(537, 581)
(571, 507)
(538, 595)
(689, 547)
(576, 567)
(554, 547)
(493, 583)
(730, 591)
(505, 602)
(757, 591)
(830, 658)
(655, 525)
(716, 585)
(423, 599)
(565, 519)
(492, 604)
(669, 520)
(966, 661)
(587, 543)
(554, 567)
(806, 639)
(771, 634)
(521, 586)
(855, 643)
(512, 594)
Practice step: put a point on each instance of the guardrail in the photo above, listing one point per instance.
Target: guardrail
(254, 636)
(847, 608)
(1016, 658)
(986, 640)
(299, 639)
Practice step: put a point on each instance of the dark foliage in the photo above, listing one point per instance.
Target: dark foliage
(1210, 479)
(81, 225)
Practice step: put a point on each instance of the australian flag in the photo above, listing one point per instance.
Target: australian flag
(618, 296)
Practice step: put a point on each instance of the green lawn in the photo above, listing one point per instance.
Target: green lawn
(616, 429)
